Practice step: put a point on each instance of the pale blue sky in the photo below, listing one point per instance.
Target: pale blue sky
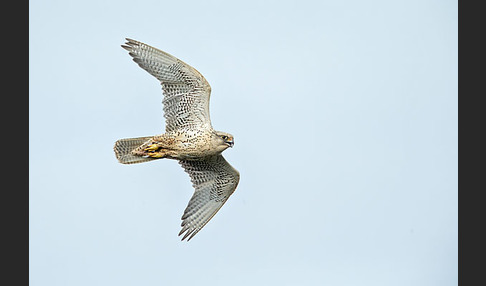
(345, 122)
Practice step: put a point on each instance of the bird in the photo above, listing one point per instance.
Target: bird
(189, 136)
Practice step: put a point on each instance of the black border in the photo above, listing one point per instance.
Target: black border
(470, 76)
(15, 138)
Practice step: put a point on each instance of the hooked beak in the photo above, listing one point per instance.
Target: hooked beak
(230, 143)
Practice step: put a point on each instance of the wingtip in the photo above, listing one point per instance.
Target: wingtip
(188, 233)
(130, 43)
(185, 236)
(188, 236)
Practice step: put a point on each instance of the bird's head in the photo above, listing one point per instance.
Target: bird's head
(223, 140)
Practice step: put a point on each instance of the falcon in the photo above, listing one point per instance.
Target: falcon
(189, 136)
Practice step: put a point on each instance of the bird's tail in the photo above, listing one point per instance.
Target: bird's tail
(123, 150)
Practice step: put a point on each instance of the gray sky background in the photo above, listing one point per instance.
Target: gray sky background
(345, 122)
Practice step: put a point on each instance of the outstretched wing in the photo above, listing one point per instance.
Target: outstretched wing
(214, 180)
(186, 91)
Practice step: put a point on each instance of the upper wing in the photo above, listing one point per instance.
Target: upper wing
(186, 91)
(214, 180)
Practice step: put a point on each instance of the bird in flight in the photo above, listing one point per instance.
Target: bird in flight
(189, 136)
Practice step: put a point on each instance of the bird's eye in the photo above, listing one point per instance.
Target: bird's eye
(224, 137)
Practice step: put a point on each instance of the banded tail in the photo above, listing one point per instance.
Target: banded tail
(123, 150)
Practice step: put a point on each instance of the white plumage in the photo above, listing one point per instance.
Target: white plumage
(189, 136)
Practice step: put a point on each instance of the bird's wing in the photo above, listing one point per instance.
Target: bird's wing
(186, 91)
(214, 180)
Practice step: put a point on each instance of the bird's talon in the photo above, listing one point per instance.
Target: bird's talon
(152, 147)
(156, 155)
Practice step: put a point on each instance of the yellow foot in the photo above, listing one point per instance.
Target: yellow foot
(152, 147)
(156, 155)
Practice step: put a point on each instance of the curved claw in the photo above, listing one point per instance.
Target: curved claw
(152, 147)
(156, 155)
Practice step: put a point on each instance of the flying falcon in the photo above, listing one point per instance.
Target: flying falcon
(189, 136)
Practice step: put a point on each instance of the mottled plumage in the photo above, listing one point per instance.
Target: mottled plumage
(189, 136)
